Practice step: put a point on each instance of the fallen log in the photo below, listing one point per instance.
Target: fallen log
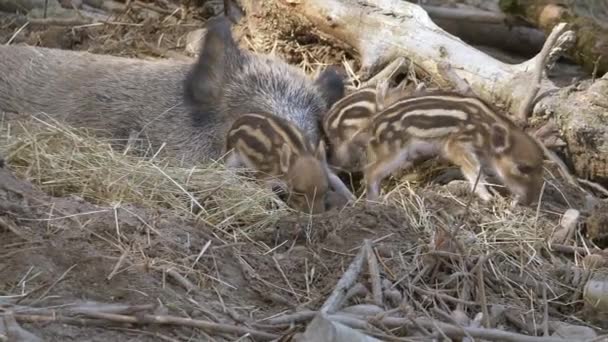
(383, 30)
(589, 19)
(488, 29)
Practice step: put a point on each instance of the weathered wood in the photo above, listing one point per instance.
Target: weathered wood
(589, 19)
(489, 29)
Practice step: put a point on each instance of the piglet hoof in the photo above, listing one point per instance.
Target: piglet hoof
(372, 196)
(369, 194)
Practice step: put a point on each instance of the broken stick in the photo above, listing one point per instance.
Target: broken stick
(347, 280)
(550, 50)
(374, 273)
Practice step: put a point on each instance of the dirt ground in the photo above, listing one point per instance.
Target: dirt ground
(59, 253)
(75, 256)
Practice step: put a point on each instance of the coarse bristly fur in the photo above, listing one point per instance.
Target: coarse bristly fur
(461, 129)
(187, 106)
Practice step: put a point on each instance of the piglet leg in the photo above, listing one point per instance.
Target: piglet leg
(339, 186)
(461, 154)
(380, 169)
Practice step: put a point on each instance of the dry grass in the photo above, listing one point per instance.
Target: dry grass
(67, 161)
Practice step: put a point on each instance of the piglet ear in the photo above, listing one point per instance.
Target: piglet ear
(284, 158)
(330, 83)
(218, 53)
(499, 137)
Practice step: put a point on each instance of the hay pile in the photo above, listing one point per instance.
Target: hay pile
(67, 161)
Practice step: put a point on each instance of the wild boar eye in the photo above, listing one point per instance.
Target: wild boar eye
(525, 169)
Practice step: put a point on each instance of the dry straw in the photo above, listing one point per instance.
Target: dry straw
(67, 161)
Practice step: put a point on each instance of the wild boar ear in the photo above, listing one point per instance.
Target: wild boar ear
(499, 137)
(218, 52)
(284, 158)
(233, 11)
(330, 83)
(320, 153)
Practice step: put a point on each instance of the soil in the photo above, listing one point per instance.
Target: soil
(65, 250)
(57, 251)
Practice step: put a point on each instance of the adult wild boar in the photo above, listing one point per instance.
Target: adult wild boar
(188, 106)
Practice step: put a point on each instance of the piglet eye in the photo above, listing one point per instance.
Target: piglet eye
(525, 169)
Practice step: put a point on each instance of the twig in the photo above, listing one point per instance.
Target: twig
(387, 73)
(596, 186)
(374, 274)
(564, 42)
(59, 21)
(53, 284)
(444, 296)
(172, 320)
(17, 33)
(482, 292)
(181, 280)
(200, 254)
(546, 130)
(459, 83)
(450, 330)
(573, 249)
(563, 169)
(486, 334)
(346, 281)
(291, 318)
(545, 313)
(539, 135)
(60, 319)
(119, 263)
(293, 291)
(420, 88)
(152, 7)
(464, 295)
(541, 62)
(363, 310)
(123, 309)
